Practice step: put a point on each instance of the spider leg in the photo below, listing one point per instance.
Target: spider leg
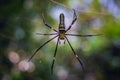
(81, 35)
(47, 24)
(75, 54)
(41, 47)
(54, 56)
(74, 20)
(46, 34)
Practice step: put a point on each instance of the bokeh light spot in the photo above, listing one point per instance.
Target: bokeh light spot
(24, 65)
(13, 57)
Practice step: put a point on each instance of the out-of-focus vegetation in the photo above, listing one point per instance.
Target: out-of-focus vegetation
(20, 20)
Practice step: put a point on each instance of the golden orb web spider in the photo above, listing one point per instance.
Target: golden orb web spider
(61, 35)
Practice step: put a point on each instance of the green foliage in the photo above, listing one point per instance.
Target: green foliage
(21, 19)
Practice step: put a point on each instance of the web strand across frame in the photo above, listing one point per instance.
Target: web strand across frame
(79, 11)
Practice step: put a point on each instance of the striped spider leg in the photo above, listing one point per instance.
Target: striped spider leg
(61, 35)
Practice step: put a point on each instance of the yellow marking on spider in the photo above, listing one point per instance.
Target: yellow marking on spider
(62, 36)
(76, 55)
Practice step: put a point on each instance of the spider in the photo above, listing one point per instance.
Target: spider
(61, 35)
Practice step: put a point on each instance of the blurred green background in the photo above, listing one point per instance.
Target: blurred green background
(20, 20)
